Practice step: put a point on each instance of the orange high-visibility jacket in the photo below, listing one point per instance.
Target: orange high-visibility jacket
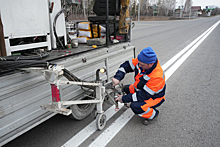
(148, 84)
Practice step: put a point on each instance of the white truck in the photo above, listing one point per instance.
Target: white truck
(39, 26)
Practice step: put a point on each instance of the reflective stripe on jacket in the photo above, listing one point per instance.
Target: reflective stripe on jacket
(148, 84)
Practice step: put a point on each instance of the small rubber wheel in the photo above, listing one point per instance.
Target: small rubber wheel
(101, 121)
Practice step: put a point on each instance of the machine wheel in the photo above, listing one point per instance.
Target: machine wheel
(101, 121)
(81, 111)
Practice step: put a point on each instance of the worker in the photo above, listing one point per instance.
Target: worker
(148, 90)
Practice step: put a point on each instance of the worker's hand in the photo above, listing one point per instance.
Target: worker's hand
(119, 98)
(115, 81)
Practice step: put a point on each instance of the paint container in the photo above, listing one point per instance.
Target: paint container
(74, 42)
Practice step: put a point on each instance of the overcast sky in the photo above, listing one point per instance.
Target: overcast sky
(201, 3)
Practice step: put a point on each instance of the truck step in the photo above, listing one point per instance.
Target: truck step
(53, 108)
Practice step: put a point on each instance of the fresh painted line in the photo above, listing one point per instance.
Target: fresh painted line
(172, 60)
(113, 129)
(89, 129)
(173, 68)
(117, 125)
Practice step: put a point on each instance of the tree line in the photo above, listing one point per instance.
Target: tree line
(147, 8)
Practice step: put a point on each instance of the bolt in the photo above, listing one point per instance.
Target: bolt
(84, 60)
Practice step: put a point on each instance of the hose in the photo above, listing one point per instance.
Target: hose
(7, 67)
(59, 43)
(71, 77)
(28, 56)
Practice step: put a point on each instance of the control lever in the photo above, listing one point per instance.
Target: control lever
(115, 96)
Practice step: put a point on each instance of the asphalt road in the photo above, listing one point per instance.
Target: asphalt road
(190, 115)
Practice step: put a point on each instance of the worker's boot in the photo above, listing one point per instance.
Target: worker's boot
(147, 121)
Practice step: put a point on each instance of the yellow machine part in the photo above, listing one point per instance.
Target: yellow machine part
(124, 18)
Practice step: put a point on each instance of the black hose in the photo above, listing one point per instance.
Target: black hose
(54, 29)
(28, 56)
(27, 63)
(71, 77)
(9, 67)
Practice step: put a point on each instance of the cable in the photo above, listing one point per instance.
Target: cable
(8, 67)
(54, 29)
(71, 77)
(28, 56)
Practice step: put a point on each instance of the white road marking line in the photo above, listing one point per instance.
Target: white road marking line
(173, 59)
(173, 68)
(117, 125)
(89, 129)
(113, 129)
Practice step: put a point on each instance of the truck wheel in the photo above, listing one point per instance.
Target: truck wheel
(81, 111)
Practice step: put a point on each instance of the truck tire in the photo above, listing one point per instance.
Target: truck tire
(81, 111)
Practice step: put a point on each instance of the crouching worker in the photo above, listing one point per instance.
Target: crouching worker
(148, 90)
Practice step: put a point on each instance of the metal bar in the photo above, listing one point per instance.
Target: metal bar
(103, 56)
(78, 83)
(190, 8)
(107, 23)
(34, 69)
(114, 30)
(79, 102)
(98, 31)
(91, 30)
(28, 46)
(139, 5)
(107, 69)
(2, 41)
(99, 93)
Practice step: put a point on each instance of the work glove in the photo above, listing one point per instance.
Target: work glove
(115, 81)
(119, 98)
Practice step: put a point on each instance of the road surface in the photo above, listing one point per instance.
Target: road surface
(189, 52)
